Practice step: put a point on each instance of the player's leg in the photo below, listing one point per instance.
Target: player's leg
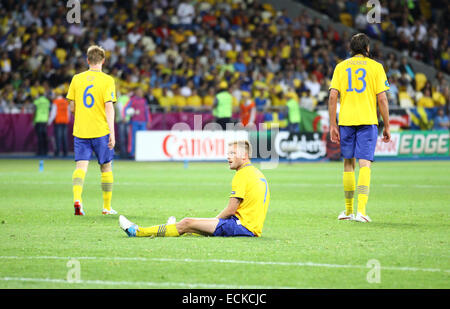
(162, 230)
(83, 152)
(365, 150)
(347, 144)
(203, 226)
(107, 180)
(104, 158)
(78, 176)
(349, 185)
(363, 189)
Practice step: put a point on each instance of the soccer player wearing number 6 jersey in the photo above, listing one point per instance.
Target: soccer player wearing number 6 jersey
(92, 94)
(243, 216)
(361, 83)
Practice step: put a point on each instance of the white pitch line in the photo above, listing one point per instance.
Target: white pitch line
(298, 264)
(143, 283)
(134, 184)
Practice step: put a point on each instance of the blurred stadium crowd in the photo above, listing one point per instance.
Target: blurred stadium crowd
(418, 28)
(179, 51)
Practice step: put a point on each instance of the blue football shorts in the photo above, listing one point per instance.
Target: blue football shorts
(231, 227)
(84, 147)
(358, 141)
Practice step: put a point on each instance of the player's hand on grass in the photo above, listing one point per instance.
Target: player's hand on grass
(112, 142)
(334, 134)
(386, 135)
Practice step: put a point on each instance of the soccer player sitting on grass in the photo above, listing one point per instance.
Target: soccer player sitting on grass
(244, 215)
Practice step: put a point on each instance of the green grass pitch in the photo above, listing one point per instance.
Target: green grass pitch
(303, 244)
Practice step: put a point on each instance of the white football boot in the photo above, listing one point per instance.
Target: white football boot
(360, 218)
(343, 216)
(109, 212)
(127, 226)
(171, 220)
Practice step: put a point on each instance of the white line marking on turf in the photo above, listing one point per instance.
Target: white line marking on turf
(172, 183)
(144, 283)
(299, 264)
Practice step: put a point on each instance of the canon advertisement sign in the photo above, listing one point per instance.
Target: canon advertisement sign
(185, 145)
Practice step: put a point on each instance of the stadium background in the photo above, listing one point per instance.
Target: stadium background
(303, 245)
(264, 48)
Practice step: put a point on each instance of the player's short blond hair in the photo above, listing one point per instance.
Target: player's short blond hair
(95, 54)
(242, 145)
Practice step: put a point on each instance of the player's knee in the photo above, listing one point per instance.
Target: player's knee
(184, 225)
(349, 165)
(82, 164)
(106, 167)
(364, 163)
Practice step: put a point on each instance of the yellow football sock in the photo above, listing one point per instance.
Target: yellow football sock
(78, 181)
(349, 191)
(163, 230)
(107, 183)
(363, 189)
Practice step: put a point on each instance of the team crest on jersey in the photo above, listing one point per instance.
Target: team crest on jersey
(386, 83)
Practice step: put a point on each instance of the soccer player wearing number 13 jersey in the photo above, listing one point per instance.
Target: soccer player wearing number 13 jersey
(92, 94)
(360, 82)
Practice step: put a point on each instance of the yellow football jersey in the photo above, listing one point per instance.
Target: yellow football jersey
(251, 186)
(359, 79)
(90, 90)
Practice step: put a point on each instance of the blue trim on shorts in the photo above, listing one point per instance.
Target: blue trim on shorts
(358, 141)
(231, 227)
(83, 148)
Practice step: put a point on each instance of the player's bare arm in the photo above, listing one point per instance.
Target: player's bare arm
(231, 208)
(109, 110)
(384, 110)
(332, 105)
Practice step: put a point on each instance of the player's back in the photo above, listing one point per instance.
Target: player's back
(359, 79)
(252, 211)
(90, 90)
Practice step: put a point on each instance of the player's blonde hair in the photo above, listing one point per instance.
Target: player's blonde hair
(95, 54)
(242, 145)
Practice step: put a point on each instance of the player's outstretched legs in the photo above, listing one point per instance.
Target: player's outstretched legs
(203, 226)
